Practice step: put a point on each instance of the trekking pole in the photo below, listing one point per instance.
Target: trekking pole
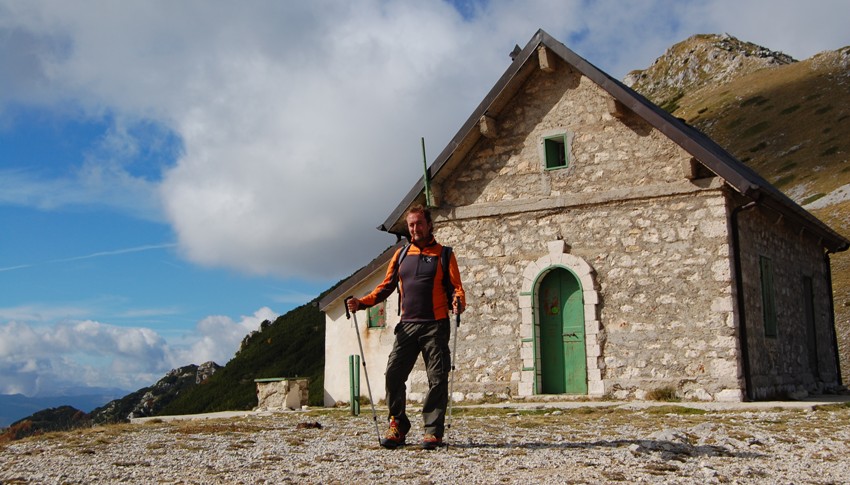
(365, 372)
(454, 358)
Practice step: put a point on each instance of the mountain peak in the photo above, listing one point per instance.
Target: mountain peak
(701, 60)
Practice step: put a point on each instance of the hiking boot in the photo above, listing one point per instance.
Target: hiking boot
(431, 442)
(393, 438)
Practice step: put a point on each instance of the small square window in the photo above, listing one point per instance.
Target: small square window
(555, 151)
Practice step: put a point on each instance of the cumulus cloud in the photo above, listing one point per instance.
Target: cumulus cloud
(217, 338)
(38, 359)
(300, 129)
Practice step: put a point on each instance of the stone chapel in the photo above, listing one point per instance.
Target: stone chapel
(608, 250)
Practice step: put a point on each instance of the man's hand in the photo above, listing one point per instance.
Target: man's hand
(457, 308)
(353, 304)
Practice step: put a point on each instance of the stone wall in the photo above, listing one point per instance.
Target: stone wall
(663, 271)
(657, 241)
(782, 365)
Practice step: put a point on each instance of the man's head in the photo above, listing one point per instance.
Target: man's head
(419, 224)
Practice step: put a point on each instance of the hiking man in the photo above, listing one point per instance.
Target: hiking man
(427, 287)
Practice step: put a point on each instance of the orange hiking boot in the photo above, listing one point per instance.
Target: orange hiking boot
(393, 438)
(431, 442)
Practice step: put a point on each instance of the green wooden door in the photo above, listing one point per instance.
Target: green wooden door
(562, 347)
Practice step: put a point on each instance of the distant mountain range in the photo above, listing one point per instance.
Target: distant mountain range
(16, 406)
(61, 414)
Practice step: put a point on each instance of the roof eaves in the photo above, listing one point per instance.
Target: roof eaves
(736, 174)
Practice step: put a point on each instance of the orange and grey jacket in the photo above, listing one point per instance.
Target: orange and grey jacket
(420, 282)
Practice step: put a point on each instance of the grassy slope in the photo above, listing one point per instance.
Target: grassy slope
(292, 346)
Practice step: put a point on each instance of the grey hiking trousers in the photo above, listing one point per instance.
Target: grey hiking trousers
(431, 339)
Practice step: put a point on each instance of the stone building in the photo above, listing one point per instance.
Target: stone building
(607, 249)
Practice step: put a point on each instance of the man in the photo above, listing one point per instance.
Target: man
(425, 295)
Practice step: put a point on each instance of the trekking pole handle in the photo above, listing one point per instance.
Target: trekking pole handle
(457, 315)
(345, 304)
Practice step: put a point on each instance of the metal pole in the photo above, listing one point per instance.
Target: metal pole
(365, 372)
(428, 202)
(453, 359)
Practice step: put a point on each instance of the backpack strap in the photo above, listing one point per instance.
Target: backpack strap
(445, 258)
(401, 256)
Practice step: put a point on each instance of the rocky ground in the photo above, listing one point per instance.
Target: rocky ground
(534, 443)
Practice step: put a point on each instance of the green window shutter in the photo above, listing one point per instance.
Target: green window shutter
(555, 151)
(378, 315)
(768, 302)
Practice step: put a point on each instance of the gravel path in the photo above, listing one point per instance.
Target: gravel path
(534, 444)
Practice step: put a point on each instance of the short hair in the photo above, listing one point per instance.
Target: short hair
(419, 209)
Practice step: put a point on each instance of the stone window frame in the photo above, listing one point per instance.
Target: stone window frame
(558, 257)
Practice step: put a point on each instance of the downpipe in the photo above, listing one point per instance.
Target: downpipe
(739, 296)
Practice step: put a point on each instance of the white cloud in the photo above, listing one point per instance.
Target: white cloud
(217, 338)
(301, 129)
(37, 358)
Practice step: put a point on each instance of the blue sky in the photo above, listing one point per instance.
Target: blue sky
(174, 173)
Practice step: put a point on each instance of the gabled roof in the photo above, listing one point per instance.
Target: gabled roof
(737, 175)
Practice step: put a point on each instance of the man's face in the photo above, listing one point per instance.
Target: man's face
(418, 227)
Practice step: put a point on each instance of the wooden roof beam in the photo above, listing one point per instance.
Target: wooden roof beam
(546, 59)
(487, 126)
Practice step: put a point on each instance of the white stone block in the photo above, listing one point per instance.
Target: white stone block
(730, 395)
(530, 273)
(525, 301)
(590, 297)
(721, 368)
(596, 388)
(526, 353)
(527, 317)
(525, 388)
(722, 304)
(557, 247)
(526, 330)
(586, 280)
(593, 350)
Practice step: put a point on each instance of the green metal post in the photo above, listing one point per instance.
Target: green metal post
(351, 384)
(428, 202)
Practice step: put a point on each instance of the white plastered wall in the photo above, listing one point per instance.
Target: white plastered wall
(341, 342)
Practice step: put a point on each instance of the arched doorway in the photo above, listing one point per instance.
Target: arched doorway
(561, 323)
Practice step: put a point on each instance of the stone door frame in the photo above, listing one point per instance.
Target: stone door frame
(532, 276)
